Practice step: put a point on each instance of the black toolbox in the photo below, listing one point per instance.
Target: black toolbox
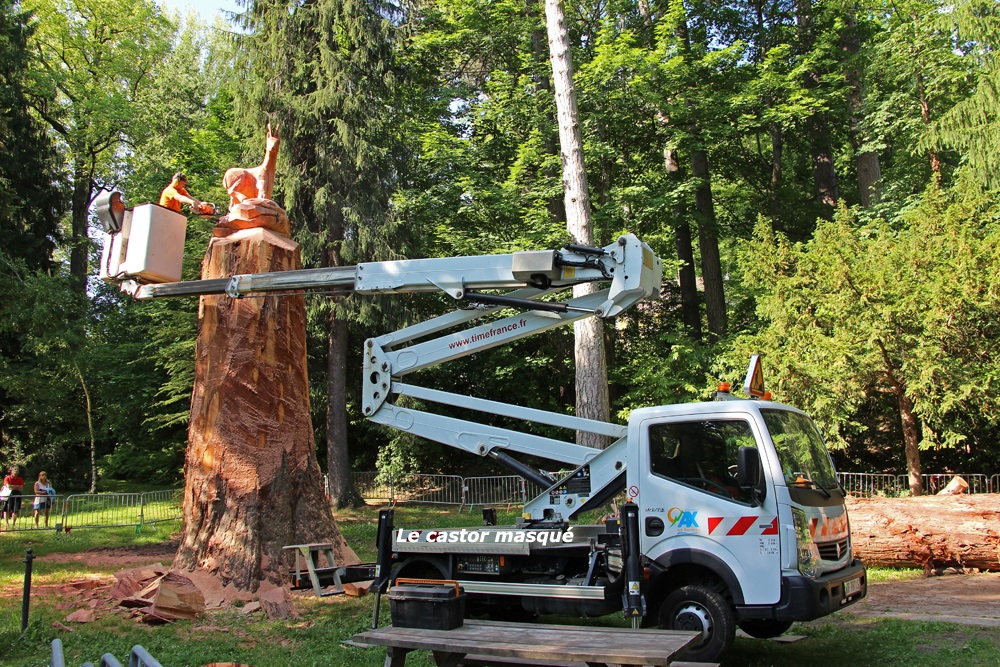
(427, 603)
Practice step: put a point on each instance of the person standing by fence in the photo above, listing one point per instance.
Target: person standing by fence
(12, 504)
(43, 497)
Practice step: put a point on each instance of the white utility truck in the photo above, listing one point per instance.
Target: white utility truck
(735, 515)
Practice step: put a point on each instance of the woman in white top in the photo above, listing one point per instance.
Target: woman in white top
(43, 497)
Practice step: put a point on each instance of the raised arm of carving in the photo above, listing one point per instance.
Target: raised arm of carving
(265, 172)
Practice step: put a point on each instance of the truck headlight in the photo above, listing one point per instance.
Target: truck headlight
(808, 551)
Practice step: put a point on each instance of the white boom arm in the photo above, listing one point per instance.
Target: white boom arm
(630, 266)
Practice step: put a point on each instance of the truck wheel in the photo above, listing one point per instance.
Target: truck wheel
(700, 609)
(765, 629)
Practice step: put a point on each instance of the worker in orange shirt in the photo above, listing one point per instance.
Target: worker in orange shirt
(176, 194)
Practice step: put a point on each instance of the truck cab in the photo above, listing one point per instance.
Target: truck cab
(742, 520)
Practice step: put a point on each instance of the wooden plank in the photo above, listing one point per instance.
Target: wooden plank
(540, 642)
(536, 641)
(555, 635)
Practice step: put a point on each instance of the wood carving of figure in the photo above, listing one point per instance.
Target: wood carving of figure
(250, 189)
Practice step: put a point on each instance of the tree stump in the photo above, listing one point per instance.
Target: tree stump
(252, 482)
(929, 532)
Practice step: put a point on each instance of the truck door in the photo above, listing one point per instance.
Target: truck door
(691, 508)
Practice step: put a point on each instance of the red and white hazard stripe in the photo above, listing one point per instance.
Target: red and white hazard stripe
(742, 525)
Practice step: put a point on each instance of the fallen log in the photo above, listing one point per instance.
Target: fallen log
(929, 532)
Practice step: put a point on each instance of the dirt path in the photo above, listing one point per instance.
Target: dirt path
(970, 599)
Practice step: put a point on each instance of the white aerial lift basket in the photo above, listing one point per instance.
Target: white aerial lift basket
(149, 248)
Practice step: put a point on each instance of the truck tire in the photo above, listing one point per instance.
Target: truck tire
(701, 609)
(765, 629)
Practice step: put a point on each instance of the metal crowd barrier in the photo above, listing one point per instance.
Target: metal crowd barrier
(368, 485)
(26, 516)
(872, 484)
(508, 490)
(100, 510)
(886, 484)
(512, 490)
(424, 488)
(936, 482)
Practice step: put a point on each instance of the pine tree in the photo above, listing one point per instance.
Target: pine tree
(31, 205)
(327, 78)
(972, 126)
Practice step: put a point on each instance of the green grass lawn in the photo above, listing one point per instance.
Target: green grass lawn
(315, 637)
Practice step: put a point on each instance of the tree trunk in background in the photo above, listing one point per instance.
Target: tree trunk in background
(869, 177)
(592, 400)
(338, 462)
(83, 187)
(865, 161)
(911, 438)
(252, 482)
(539, 46)
(708, 243)
(686, 277)
(930, 532)
(824, 174)
(708, 239)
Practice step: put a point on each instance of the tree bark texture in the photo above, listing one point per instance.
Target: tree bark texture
(929, 532)
(592, 398)
(338, 463)
(83, 186)
(911, 437)
(686, 277)
(824, 174)
(866, 161)
(252, 482)
(708, 242)
(575, 194)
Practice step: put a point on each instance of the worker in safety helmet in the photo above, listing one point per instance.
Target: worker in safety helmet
(176, 194)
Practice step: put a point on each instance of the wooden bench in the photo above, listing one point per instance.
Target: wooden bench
(532, 644)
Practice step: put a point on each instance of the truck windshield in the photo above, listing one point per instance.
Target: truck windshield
(804, 459)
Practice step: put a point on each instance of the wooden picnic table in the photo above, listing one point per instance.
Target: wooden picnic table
(477, 642)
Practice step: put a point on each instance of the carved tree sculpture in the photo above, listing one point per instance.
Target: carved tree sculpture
(252, 482)
(250, 189)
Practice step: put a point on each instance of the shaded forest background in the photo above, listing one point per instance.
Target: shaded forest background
(840, 156)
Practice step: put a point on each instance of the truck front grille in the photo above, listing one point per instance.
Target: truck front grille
(833, 550)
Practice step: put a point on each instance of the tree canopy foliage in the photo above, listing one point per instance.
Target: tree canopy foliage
(818, 175)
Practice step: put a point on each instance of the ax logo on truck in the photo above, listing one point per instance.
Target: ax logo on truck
(683, 519)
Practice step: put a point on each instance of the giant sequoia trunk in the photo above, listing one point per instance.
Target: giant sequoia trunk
(929, 532)
(252, 482)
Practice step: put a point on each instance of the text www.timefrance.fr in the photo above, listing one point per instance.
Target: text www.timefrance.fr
(507, 328)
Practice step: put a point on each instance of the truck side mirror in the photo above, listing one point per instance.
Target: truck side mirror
(748, 472)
